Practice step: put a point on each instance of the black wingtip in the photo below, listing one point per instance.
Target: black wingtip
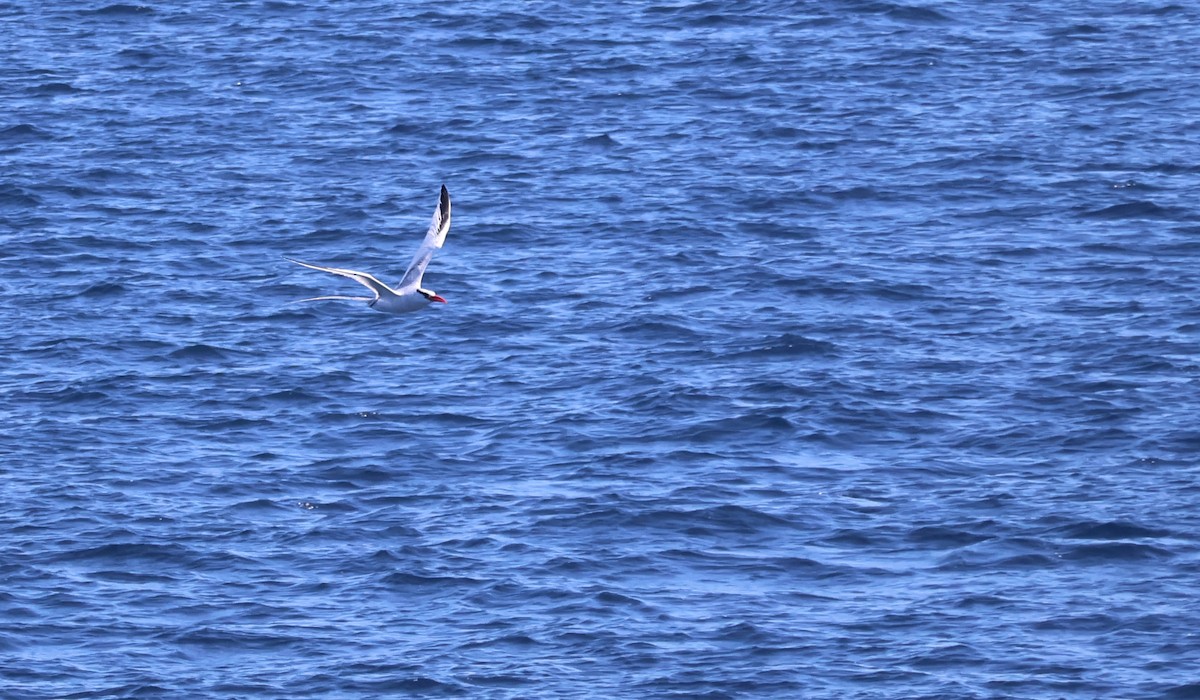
(445, 200)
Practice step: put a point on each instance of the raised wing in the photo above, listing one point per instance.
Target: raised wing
(434, 238)
(362, 278)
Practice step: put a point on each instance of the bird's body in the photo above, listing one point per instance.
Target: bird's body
(408, 295)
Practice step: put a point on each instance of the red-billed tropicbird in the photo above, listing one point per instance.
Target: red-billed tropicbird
(408, 295)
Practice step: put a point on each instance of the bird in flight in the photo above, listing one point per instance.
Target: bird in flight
(408, 295)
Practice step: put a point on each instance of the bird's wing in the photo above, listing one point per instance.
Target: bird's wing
(434, 238)
(330, 298)
(362, 278)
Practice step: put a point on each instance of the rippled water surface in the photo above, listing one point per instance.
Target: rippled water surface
(829, 350)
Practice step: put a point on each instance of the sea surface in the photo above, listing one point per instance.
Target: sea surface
(837, 349)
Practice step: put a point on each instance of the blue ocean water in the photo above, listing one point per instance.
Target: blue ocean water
(825, 350)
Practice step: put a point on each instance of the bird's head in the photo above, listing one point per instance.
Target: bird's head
(430, 296)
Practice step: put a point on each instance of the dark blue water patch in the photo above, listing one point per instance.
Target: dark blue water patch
(410, 682)
(733, 519)
(132, 554)
(120, 10)
(132, 577)
(283, 7)
(910, 13)
(104, 289)
(497, 681)
(1112, 530)
(761, 425)
(1187, 691)
(947, 537)
(1000, 558)
(1093, 624)
(17, 197)
(418, 583)
(200, 352)
(404, 128)
(260, 506)
(601, 141)
(1137, 210)
(787, 346)
(1166, 9)
(659, 329)
(54, 89)
(1116, 552)
(24, 133)
(707, 522)
(212, 637)
(1130, 94)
